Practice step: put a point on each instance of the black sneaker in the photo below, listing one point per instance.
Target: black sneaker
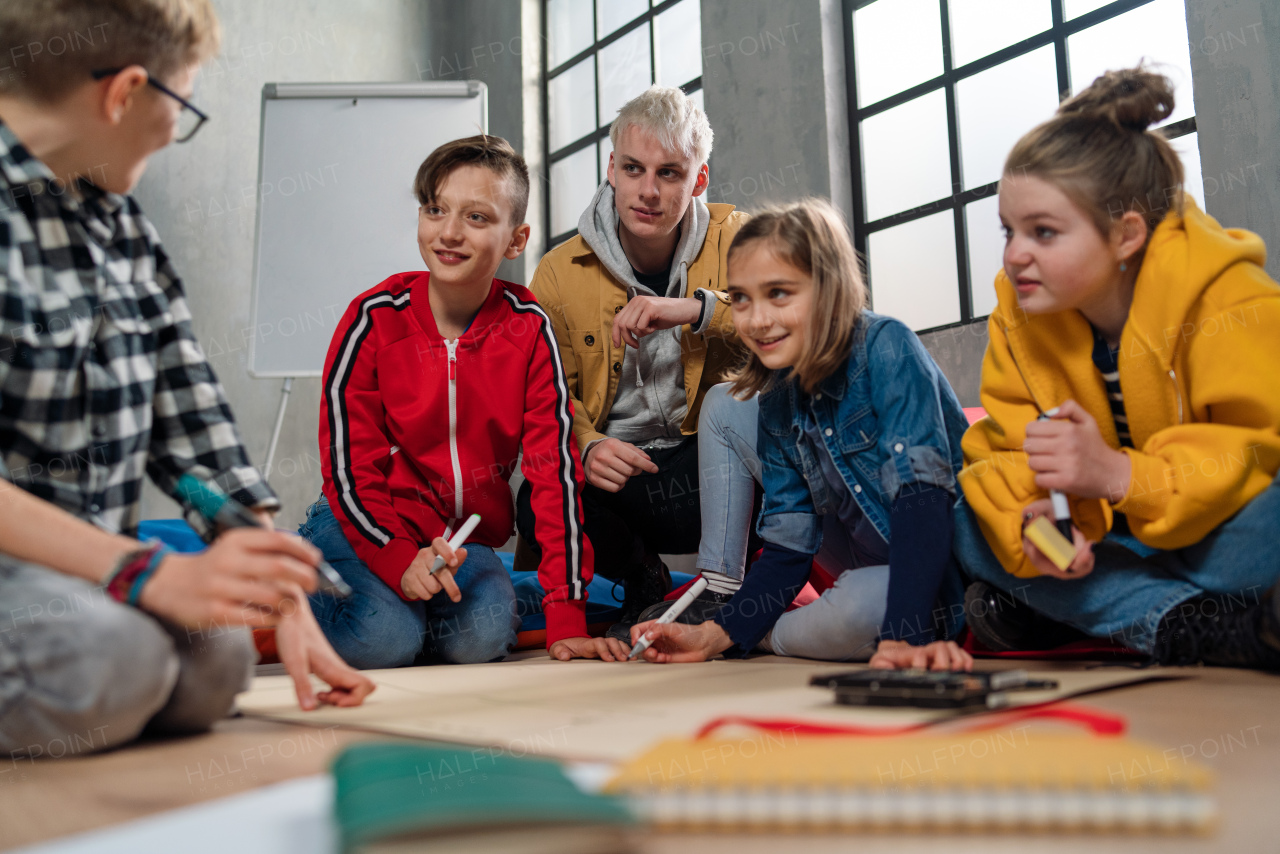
(1215, 630)
(644, 585)
(704, 607)
(1003, 624)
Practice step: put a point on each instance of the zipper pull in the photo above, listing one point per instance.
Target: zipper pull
(452, 348)
(1177, 393)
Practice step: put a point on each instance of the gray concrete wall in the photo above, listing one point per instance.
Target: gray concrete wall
(534, 134)
(483, 40)
(1235, 64)
(195, 194)
(959, 351)
(773, 77)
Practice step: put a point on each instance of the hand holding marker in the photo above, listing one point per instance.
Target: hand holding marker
(216, 506)
(1054, 542)
(1061, 508)
(457, 540)
(671, 614)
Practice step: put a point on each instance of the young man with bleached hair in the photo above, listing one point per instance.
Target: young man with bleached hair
(640, 312)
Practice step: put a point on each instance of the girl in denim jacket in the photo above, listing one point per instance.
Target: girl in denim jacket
(854, 434)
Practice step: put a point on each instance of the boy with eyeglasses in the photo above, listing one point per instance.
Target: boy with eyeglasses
(101, 381)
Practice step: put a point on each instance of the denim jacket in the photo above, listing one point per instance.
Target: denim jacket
(890, 421)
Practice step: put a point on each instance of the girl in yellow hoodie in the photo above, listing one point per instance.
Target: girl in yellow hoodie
(1151, 335)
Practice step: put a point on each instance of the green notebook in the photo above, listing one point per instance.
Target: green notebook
(405, 797)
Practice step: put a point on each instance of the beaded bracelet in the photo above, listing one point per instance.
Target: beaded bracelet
(134, 570)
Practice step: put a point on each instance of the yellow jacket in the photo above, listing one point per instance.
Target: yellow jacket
(582, 297)
(1200, 373)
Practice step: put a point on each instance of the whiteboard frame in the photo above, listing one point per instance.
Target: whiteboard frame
(275, 91)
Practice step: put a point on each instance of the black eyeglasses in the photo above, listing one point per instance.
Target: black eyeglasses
(190, 120)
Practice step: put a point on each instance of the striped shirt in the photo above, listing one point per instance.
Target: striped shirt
(102, 380)
(1107, 361)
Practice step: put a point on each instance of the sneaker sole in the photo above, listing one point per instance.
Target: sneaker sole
(973, 594)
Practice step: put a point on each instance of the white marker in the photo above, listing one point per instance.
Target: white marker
(458, 539)
(672, 613)
(1061, 508)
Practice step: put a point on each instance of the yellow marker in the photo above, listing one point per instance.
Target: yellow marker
(1050, 542)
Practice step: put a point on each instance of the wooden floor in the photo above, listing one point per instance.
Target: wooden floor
(1227, 720)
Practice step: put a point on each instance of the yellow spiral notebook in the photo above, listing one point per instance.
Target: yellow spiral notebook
(1012, 779)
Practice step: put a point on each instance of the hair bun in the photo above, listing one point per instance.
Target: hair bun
(1132, 98)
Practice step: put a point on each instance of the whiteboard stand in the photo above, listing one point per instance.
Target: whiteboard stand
(275, 432)
(336, 211)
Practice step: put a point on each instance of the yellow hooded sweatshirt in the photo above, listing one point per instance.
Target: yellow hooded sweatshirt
(1200, 374)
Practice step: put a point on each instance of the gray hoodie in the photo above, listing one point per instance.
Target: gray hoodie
(650, 404)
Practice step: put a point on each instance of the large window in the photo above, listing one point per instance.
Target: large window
(599, 55)
(940, 90)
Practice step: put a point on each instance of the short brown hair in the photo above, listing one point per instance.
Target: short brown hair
(52, 46)
(811, 236)
(493, 153)
(1098, 151)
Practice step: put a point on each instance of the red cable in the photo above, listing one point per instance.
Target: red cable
(1096, 720)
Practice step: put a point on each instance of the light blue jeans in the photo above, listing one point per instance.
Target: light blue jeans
(844, 623)
(374, 628)
(1133, 586)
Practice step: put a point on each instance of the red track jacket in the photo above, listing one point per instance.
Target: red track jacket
(417, 433)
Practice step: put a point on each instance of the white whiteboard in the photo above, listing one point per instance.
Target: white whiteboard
(336, 209)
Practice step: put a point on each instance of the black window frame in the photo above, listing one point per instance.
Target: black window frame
(549, 157)
(1056, 35)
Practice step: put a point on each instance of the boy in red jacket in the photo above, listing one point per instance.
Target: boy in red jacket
(433, 385)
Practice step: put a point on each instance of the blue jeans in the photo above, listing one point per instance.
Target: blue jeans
(374, 628)
(844, 623)
(1133, 586)
(728, 471)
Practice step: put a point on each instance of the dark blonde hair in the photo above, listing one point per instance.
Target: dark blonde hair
(811, 236)
(492, 152)
(1098, 151)
(54, 45)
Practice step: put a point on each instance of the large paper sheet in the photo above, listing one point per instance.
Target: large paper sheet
(596, 711)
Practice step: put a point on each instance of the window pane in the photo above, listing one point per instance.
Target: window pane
(1076, 8)
(606, 148)
(1188, 148)
(611, 14)
(897, 44)
(678, 41)
(906, 161)
(624, 72)
(1156, 32)
(573, 183)
(986, 252)
(568, 29)
(913, 271)
(696, 97)
(980, 27)
(989, 122)
(570, 96)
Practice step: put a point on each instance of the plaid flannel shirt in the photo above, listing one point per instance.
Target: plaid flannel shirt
(101, 376)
